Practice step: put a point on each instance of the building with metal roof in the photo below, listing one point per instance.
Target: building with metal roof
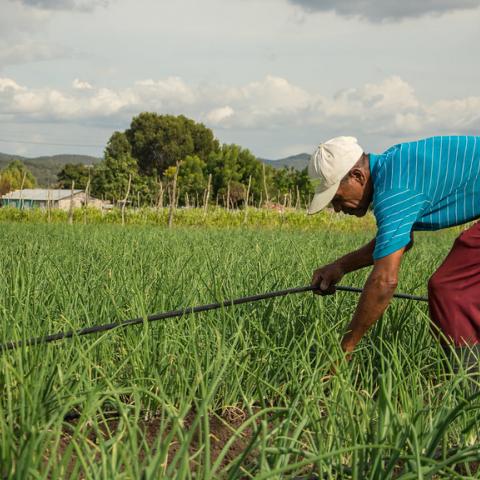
(47, 198)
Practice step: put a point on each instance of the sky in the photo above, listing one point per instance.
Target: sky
(275, 76)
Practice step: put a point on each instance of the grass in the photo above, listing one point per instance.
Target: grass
(216, 217)
(235, 393)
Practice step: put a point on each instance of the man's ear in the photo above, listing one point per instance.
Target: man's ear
(357, 174)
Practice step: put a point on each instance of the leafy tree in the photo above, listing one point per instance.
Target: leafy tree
(284, 181)
(153, 145)
(224, 167)
(304, 185)
(77, 173)
(233, 165)
(191, 177)
(237, 193)
(15, 176)
(112, 175)
(159, 141)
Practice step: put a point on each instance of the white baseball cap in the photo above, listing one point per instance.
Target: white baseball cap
(329, 163)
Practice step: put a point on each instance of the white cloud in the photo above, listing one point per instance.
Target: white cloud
(387, 108)
(81, 85)
(219, 116)
(7, 84)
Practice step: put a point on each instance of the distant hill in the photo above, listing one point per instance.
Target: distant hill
(299, 162)
(45, 169)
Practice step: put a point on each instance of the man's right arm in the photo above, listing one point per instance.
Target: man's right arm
(361, 258)
(325, 278)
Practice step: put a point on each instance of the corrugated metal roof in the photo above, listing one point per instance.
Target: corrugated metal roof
(40, 194)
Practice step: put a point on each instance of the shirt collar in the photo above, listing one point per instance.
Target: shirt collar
(373, 161)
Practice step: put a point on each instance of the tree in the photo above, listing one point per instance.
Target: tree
(111, 176)
(284, 182)
(160, 141)
(155, 144)
(305, 186)
(15, 176)
(77, 173)
(191, 177)
(231, 167)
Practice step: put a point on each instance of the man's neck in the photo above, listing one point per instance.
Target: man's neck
(369, 184)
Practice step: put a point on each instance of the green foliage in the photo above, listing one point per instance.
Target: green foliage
(160, 141)
(255, 372)
(14, 176)
(78, 173)
(217, 217)
(234, 165)
(119, 168)
(191, 177)
(45, 169)
(148, 152)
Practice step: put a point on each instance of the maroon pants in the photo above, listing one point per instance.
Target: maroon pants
(454, 291)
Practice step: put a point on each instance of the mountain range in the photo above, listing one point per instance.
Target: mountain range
(45, 168)
(299, 161)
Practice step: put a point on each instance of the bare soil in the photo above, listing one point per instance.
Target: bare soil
(222, 427)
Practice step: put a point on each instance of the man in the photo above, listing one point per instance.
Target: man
(425, 185)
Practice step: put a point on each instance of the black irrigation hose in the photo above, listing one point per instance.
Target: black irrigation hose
(179, 313)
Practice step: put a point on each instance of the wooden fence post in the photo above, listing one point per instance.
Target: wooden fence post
(160, 196)
(21, 189)
(246, 199)
(265, 184)
(206, 197)
(173, 200)
(126, 198)
(85, 205)
(70, 210)
(48, 206)
(228, 195)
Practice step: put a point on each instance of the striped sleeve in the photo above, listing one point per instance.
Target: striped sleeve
(396, 211)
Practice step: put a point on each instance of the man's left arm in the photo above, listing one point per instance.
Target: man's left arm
(377, 293)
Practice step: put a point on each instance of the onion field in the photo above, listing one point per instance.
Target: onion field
(236, 393)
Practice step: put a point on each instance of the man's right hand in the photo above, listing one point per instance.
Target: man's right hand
(325, 278)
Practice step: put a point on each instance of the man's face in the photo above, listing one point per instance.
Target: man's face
(353, 196)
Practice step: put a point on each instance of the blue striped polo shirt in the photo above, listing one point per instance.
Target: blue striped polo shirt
(425, 185)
